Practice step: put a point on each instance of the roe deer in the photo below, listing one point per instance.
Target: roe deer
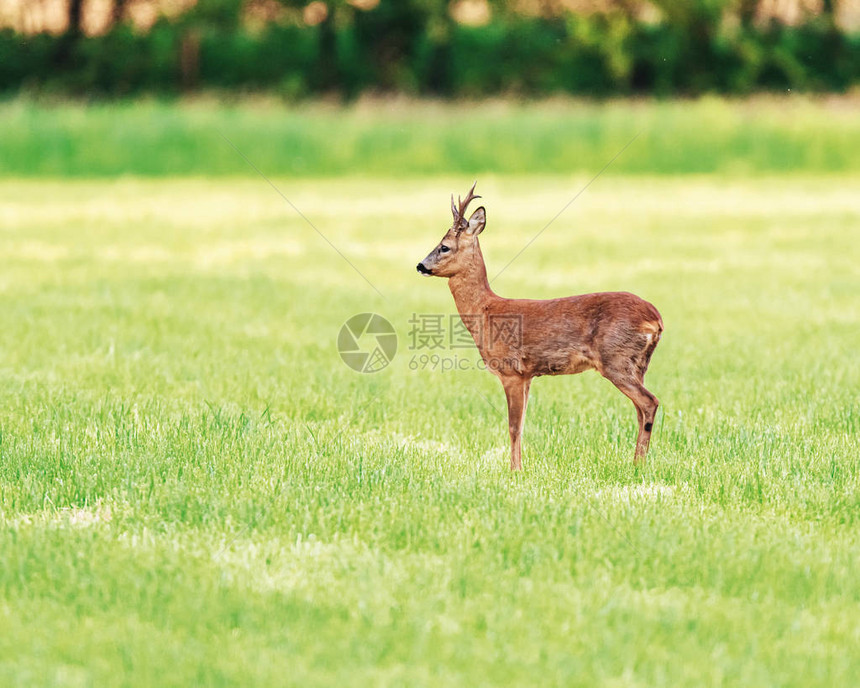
(614, 333)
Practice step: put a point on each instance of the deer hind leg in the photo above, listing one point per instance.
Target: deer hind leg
(517, 393)
(646, 409)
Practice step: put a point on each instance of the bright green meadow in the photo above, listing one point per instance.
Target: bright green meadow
(195, 490)
(397, 138)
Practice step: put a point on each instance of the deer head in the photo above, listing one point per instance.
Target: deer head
(457, 250)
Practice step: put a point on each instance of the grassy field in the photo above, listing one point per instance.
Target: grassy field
(195, 490)
(416, 138)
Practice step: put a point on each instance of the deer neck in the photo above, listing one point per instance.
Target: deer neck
(470, 287)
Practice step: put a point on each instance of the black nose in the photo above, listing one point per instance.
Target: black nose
(424, 271)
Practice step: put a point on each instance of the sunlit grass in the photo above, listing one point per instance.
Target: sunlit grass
(195, 490)
(791, 134)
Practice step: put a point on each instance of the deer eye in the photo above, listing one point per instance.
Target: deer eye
(444, 249)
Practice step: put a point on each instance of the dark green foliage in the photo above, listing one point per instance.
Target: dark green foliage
(418, 49)
(279, 55)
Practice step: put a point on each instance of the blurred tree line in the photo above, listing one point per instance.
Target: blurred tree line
(439, 47)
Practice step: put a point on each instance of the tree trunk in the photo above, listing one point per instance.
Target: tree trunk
(118, 13)
(76, 8)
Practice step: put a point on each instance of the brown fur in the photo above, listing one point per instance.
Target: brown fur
(614, 333)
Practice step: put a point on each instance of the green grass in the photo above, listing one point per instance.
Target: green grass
(790, 134)
(194, 490)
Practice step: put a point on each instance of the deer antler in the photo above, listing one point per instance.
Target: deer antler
(458, 213)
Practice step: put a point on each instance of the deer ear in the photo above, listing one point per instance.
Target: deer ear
(477, 222)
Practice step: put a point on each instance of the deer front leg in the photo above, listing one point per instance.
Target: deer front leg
(517, 393)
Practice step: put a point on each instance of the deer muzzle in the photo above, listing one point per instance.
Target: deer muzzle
(423, 269)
